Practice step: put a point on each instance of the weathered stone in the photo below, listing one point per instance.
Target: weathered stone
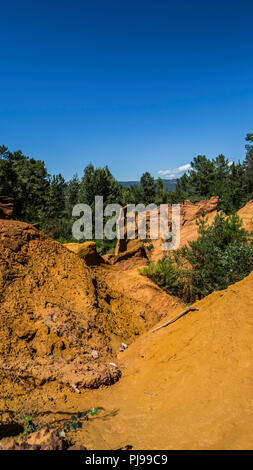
(6, 207)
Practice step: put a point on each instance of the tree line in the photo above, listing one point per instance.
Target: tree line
(48, 199)
(232, 182)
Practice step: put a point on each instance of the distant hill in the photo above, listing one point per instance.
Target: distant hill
(170, 184)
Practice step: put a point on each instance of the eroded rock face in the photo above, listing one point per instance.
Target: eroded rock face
(48, 306)
(246, 214)
(6, 207)
(135, 256)
(55, 310)
(152, 249)
(87, 251)
(45, 439)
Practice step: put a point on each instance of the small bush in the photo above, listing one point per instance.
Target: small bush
(105, 246)
(165, 274)
(29, 426)
(221, 255)
(75, 421)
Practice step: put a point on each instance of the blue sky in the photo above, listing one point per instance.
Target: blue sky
(137, 85)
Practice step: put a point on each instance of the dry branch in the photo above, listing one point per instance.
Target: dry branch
(188, 309)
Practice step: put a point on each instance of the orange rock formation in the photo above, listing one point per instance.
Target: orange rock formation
(186, 386)
(55, 311)
(246, 214)
(137, 252)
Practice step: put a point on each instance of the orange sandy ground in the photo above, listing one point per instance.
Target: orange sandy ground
(187, 386)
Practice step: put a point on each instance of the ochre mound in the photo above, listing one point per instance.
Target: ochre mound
(186, 386)
(55, 312)
(48, 310)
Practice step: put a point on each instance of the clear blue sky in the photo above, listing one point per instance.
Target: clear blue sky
(137, 85)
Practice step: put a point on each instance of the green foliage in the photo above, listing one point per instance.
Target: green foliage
(105, 246)
(248, 163)
(165, 274)
(149, 246)
(99, 182)
(29, 426)
(48, 199)
(62, 240)
(161, 193)
(147, 187)
(53, 211)
(71, 195)
(221, 255)
(202, 175)
(76, 421)
(132, 195)
(26, 180)
(233, 183)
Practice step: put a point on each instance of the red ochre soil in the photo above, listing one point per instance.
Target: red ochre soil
(186, 386)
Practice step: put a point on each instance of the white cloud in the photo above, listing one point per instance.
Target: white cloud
(173, 173)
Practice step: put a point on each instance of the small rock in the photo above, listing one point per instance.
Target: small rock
(95, 354)
(75, 389)
(124, 345)
(113, 364)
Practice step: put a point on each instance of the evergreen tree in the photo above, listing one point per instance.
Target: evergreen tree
(71, 194)
(55, 203)
(132, 195)
(202, 175)
(7, 174)
(26, 180)
(147, 186)
(161, 193)
(99, 182)
(248, 163)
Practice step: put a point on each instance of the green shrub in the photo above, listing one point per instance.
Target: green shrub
(165, 274)
(29, 426)
(105, 246)
(221, 255)
(75, 421)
